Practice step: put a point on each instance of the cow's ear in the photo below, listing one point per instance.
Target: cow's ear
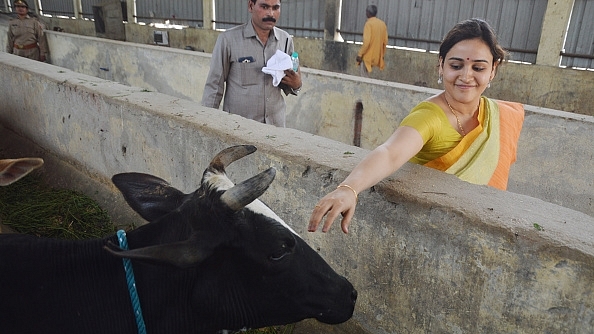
(183, 254)
(148, 195)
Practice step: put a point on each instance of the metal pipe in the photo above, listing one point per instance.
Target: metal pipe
(358, 123)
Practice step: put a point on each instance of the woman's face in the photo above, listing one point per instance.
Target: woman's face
(467, 70)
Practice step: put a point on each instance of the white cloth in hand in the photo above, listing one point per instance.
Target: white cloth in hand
(276, 66)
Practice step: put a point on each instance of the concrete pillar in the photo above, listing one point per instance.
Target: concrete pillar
(207, 14)
(554, 31)
(77, 4)
(332, 19)
(131, 11)
(34, 6)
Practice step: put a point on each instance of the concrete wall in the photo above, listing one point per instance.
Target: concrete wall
(427, 252)
(544, 86)
(559, 142)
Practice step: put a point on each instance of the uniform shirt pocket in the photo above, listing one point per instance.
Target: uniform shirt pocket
(249, 71)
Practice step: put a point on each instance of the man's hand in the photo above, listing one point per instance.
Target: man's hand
(292, 78)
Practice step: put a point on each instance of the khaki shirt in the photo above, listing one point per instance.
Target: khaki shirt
(236, 73)
(25, 32)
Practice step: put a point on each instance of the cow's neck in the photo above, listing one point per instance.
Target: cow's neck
(89, 279)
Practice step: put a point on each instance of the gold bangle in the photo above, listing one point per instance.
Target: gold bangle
(354, 191)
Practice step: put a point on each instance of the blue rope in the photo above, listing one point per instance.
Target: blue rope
(132, 284)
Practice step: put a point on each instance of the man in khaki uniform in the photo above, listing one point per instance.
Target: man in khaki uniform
(25, 34)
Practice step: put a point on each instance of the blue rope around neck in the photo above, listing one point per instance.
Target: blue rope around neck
(132, 284)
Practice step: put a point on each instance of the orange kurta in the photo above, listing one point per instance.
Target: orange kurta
(375, 40)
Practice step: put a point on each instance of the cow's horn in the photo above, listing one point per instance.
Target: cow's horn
(247, 191)
(228, 155)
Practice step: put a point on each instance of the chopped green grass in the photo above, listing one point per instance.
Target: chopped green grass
(288, 329)
(29, 206)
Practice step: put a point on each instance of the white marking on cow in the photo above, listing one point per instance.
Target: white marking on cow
(222, 182)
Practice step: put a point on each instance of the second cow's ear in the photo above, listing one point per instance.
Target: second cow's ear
(12, 170)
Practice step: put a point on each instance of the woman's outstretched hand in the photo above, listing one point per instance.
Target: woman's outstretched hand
(343, 201)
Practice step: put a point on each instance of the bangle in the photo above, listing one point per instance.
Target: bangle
(347, 186)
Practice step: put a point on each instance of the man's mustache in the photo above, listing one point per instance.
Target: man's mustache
(269, 18)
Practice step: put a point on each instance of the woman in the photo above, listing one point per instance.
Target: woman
(457, 131)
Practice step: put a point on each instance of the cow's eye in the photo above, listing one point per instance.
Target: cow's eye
(283, 251)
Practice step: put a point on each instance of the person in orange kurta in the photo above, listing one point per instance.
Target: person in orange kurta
(458, 131)
(375, 38)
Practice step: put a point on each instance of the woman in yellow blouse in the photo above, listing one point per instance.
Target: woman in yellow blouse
(458, 131)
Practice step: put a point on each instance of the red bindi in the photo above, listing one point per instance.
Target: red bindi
(467, 58)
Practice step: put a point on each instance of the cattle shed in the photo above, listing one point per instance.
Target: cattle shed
(426, 251)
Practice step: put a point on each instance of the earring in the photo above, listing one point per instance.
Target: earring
(489, 84)
(440, 80)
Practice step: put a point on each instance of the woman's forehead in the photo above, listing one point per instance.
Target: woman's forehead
(470, 49)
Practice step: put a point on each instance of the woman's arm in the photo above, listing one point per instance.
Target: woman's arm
(402, 145)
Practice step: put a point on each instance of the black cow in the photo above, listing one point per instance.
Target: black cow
(216, 259)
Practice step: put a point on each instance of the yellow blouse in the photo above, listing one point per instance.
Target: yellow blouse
(439, 137)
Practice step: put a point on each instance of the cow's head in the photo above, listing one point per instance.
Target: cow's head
(260, 271)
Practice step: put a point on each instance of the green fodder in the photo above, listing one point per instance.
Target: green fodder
(29, 206)
(288, 329)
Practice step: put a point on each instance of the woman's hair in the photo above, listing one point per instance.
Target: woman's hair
(470, 29)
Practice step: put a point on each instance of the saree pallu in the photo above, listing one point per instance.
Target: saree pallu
(485, 155)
